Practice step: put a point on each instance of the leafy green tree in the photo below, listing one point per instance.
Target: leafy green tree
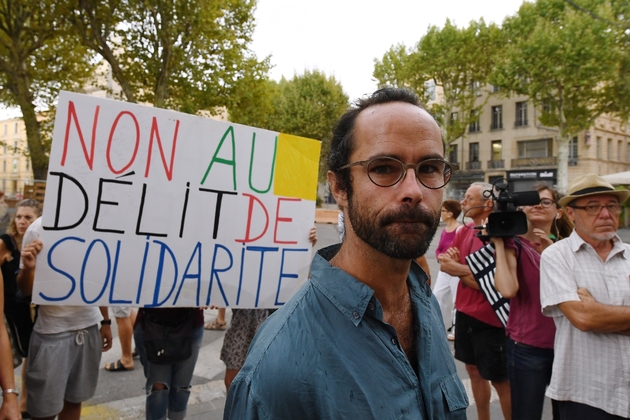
(566, 62)
(307, 105)
(38, 57)
(187, 55)
(456, 60)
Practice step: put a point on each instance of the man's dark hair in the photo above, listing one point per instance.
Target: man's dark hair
(342, 143)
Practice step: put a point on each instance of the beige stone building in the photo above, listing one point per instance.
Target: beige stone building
(15, 166)
(509, 141)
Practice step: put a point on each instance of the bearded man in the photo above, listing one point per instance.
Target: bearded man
(364, 338)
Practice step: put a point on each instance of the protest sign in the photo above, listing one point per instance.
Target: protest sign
(149, 207)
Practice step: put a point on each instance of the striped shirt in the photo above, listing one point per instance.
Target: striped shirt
(591, 368)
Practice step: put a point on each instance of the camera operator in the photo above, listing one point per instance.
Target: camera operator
(479, 335)
(530, 333)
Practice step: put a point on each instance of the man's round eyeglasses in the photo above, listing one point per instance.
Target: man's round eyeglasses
(386, 171)
(594, 209)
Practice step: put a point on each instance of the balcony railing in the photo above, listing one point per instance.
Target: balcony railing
(472, 166)
(573, 161)
(495, 164)
(532, 162)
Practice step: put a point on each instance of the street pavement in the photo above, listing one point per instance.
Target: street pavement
(121, 395)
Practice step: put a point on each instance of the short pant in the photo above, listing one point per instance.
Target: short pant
(62, 366)
(121, 311)
(482, 345)
(243, 327)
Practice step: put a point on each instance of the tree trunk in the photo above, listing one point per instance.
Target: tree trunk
(563, 163)
(39, 159)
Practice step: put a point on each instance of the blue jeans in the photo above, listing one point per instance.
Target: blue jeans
(529, 371)
(173, 399)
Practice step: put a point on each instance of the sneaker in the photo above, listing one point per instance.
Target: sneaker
(450, 337)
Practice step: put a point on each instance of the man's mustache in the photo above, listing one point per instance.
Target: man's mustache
(410, 214)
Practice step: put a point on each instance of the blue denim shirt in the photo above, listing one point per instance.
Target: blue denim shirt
(327, 354)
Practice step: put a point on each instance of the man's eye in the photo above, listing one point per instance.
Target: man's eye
(592, 207)
(431, 168)
(383, 168)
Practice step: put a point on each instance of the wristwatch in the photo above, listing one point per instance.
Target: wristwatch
(106, 322)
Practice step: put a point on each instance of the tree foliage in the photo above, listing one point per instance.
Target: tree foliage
(457, 60)
(307, 105)
(566, 62)
(38, 57)
(187, 55)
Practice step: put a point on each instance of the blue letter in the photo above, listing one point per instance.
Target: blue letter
(109, 266)
(72, 280)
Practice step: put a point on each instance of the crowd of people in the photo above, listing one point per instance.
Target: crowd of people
(366, 336)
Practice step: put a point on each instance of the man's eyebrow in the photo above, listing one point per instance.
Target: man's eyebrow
(396, 156)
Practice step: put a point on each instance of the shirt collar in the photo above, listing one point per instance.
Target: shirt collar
(350, 295)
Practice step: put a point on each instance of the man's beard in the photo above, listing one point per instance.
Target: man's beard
(405, 240)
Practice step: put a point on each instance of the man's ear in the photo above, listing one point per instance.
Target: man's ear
(341, 196)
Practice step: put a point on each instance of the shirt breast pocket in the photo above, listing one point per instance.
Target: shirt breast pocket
(454, 392)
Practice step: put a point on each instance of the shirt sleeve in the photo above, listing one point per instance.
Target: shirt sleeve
(239, 404)
(557, 280)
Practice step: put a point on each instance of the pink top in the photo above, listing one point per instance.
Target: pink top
(471, 301)
(445, 241)
(526, 323)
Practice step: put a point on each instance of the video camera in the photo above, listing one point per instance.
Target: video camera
(506, 220)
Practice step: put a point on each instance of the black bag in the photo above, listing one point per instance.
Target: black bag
(168, 339)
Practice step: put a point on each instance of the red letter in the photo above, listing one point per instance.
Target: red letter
(111, 136)
(167, 169)
(72, 115)
(249, 219)
(282, 219)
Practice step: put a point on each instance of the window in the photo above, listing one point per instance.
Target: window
(495, 89)
(497, 150)
(5, 129)
(15, 130)
(535, 149)
(609, 150)
(475, 88)
(521, 114)
(619, 150)
(4, 166)
(453, 118)
(474, 126)
(573, 151)
(598, 148)
(15, 165)
(429, 90)
(497, 117)
(628, 152)
(28, 164)
(4, 146)
(15, 144)
(452, 155)
(473, 152)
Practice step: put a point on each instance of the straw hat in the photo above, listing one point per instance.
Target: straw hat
(591, 184)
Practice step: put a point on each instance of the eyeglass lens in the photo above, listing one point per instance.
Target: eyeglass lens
(432, 173)
(546, 203)
(594, 209)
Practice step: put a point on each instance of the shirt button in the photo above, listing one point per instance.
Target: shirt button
(393, 341)
(371, 306)
(356, 315)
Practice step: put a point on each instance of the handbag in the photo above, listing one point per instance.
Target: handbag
(168, 339)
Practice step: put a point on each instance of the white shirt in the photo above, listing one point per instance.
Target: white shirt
(53, 319)
(591, 368)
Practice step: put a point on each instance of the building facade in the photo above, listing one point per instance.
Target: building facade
(508, 141)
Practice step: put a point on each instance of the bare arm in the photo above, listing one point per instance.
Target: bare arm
(505, 277)
(449, 263)
(26, 275)
(106, 330)
(590, 315)
(10, 408)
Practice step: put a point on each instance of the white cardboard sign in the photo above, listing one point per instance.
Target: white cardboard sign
(149, 207)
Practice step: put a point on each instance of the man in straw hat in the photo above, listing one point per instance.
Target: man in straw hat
(585, 287)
